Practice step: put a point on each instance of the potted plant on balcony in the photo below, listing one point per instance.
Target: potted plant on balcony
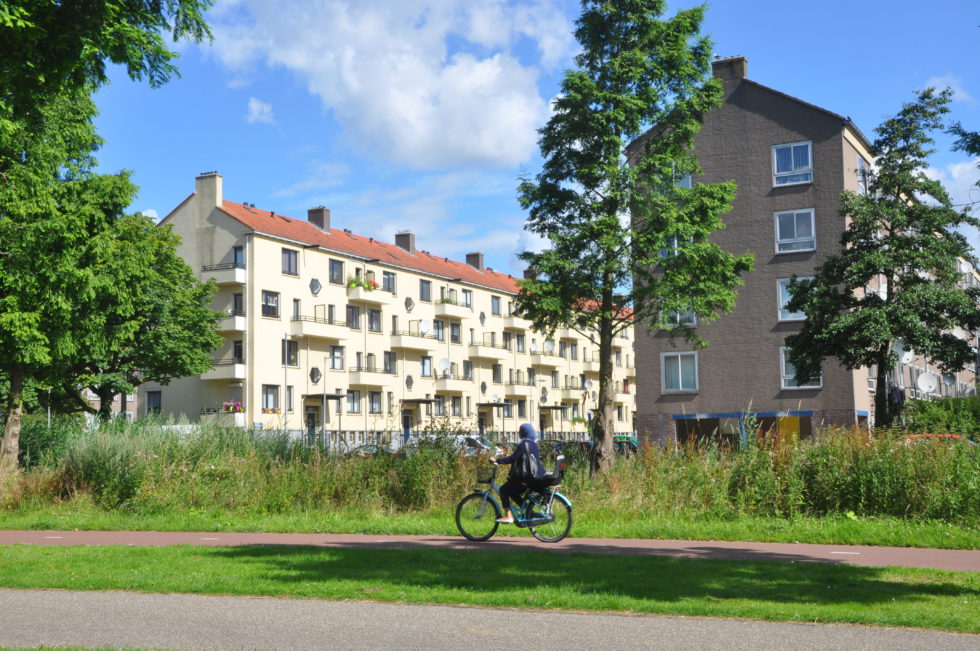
(368, 284)
(233, 407)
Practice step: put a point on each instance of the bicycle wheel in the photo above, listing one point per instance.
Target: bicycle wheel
(476, 516)
(561, 511)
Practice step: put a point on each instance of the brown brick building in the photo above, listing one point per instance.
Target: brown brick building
(790, 160)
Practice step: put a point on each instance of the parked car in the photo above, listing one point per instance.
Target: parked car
(911, 439)
(369, 450)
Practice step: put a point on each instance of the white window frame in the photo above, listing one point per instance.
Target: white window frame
(796, 214)
(680, 384)
(353, 401)
(862, 171)
(782, 298)
(270, 304)
(270, 396)
(801, 171)
(337, 358)
(290, 262)
(787, 381)
(335, 272)
(686, 318)
(374, 402)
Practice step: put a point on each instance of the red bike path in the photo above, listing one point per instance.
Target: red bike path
(946, 559)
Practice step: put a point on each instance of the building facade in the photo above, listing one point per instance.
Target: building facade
(790, 160)
(325, 329)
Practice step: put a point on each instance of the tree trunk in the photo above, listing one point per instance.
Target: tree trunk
(10, 445)
(601, 459)
(106, 396)
(882, 415)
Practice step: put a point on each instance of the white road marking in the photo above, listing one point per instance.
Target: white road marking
(851, 553)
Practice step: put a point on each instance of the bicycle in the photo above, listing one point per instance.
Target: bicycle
(545, 512)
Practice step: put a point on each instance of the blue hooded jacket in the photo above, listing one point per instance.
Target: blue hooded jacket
(528, 445)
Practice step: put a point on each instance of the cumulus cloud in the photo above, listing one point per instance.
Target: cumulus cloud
(321, 175)
(960, 180)
(430, 84)
(151, 213)
(259, 111)
(952, 82)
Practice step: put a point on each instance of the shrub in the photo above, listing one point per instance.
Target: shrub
(105, 464)
(39, 440)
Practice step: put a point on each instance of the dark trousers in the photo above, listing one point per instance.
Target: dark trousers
(512, 490)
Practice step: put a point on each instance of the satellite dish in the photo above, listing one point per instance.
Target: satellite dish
(483, 387)
(483, 318)
(949, 379)
(927, 383)
(495, 398)
(424, 325)
(907, 357)
(409, 304)
(549, 346)
(445, 364)
(588, 383)
(409, 382)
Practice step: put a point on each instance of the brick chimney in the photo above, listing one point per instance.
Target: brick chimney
(405, 240)
(319, 217)
(733, 68)
(207, 187)
(475, 260)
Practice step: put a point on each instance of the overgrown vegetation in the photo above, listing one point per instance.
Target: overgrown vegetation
(951, 415)
(146, 470)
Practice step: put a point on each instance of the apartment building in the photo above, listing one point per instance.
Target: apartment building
(328, 329)
(790, 160)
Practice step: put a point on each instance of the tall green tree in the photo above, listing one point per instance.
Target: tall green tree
(902, 237)
(146, 317)
(626, 242)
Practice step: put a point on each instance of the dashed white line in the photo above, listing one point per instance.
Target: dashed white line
(849, 553)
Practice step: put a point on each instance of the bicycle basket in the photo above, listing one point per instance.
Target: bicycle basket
(485, 474)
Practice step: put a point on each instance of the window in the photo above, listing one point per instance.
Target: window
(425, 290)
(498, 373)
(353, 401)
(789, 380)
(374, 402)
(619, 412)
(684, 180)
(388, 281)
(439, 329)
(522, 408)
(554, 379)
(389, 361)
(290, 353)
(784, 296)
(238, 257)
(455, 333)
(794, 231)
(426, 366)
(508, 409)
(238, 351)
(154, 402)
(467, 298)
(508, 339)
(495, 305)
(270, 304)
(439, 406)
(337, 358)
(289, 398)
(791, 164)
(562, 349)
(573, 350)
(336, 272)
(618, 357)
(862, 175)
(374, 320)
(520, 339)
(238, 304)
(290, 262)
(297, 309)
(685, 318)
(270, 397)
(354, 317)
(457, 406)
(467, 369)
(679, 372)
(672, 245)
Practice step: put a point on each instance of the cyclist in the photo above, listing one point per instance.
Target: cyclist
(516, 482)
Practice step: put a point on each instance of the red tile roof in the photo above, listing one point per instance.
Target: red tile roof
(369, 248)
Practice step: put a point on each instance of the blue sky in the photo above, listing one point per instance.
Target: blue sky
(421, 114)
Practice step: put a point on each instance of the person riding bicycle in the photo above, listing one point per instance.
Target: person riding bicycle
(517, 482)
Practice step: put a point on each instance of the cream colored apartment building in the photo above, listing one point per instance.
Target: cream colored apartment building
(386, 336)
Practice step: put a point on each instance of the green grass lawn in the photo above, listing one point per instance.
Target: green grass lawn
(805, 592)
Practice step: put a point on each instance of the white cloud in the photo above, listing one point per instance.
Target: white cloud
(259, 111)
(426, 83)
(321, 175)
(952, 82)
(960, 180)
(151, 213)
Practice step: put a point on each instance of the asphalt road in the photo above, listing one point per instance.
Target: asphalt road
(946, 559)
(31, 618)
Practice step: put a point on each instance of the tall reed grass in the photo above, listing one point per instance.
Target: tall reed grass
(146, 468)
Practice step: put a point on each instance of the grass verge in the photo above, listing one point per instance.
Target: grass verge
(590, 522)
(802, 592)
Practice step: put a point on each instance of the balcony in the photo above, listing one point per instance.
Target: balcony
(224, 274)
(362, 376)
(520, 387)
(453, 383)
(413, 340)
(371, 296)
(226, 369)
(487, 350)
(321, 327)
(546, 359)
(222, 418)
(515, 322)
(446, 307)
(232, 321)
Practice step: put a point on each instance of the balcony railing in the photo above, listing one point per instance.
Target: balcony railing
(223, 267)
